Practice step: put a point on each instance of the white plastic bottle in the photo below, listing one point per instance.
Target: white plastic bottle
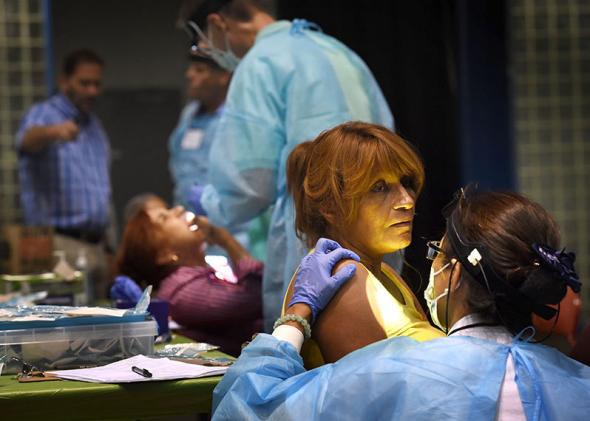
(86, 297)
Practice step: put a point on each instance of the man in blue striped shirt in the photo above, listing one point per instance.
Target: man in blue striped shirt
(64, 160)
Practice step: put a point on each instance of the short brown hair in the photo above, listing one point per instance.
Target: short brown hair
(328, 175)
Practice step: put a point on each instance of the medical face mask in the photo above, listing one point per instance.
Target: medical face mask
(224, 58)
(431, 300)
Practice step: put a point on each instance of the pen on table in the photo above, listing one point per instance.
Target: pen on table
(141, 371)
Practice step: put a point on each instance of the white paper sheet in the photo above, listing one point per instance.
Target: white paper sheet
(96, 311)
(121, 372)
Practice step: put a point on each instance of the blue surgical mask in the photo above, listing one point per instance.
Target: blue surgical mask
(226, 59)
(431, 300)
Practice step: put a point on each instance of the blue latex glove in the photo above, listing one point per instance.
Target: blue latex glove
(315, 285)
(193, 199)
(125, 289)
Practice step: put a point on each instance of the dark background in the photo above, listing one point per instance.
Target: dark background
(429, 57)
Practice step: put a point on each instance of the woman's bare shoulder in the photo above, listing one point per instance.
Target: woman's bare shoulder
(361, 270)
(360, 274)
(348, 323)
(348, 295)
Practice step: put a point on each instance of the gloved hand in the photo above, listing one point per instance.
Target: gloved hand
(125, 289)
(193, 199)
(315, 285)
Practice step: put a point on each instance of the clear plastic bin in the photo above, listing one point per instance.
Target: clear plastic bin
(54, 348)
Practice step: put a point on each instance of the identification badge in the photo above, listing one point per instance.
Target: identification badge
(192, 139)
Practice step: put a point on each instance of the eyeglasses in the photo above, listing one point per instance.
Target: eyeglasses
(434, 249)
(197, 36)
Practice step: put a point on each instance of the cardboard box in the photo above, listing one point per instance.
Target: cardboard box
(26, 249)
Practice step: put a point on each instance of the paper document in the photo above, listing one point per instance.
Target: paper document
(96, 311)
(122, 371)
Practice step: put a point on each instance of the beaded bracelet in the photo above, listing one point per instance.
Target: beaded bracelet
(295, 318)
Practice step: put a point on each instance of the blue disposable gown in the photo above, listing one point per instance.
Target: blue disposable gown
(293, 84)
(189, 155)
(399, 378)
(189, 146)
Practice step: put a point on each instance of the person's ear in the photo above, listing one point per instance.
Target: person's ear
(215, 22)
(456, 274)
(225, 78)
(329, 214)
(166, 257)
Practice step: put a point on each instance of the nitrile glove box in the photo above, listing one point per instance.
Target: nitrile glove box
(75, 342)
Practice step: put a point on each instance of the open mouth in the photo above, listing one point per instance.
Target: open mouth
(191, 221)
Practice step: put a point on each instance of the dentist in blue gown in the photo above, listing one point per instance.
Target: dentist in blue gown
(290, 83)
(480, 371)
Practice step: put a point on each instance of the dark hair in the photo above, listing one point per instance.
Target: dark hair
(241, 10)
(506, 225)
(138, 203)
(328, 175)
(138, 252)
(77, 57)
(212, 64)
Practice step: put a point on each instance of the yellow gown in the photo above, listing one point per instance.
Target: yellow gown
(395, 318)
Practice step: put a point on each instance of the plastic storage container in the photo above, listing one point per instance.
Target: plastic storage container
(75, 346)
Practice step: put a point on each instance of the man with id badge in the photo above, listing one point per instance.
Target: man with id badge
(190, 141)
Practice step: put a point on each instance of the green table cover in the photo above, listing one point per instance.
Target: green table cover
(71, 400)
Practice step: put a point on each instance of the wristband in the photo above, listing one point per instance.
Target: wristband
(295, 318)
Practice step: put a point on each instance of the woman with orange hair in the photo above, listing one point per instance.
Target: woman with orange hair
(357, 184)
(164, 247)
